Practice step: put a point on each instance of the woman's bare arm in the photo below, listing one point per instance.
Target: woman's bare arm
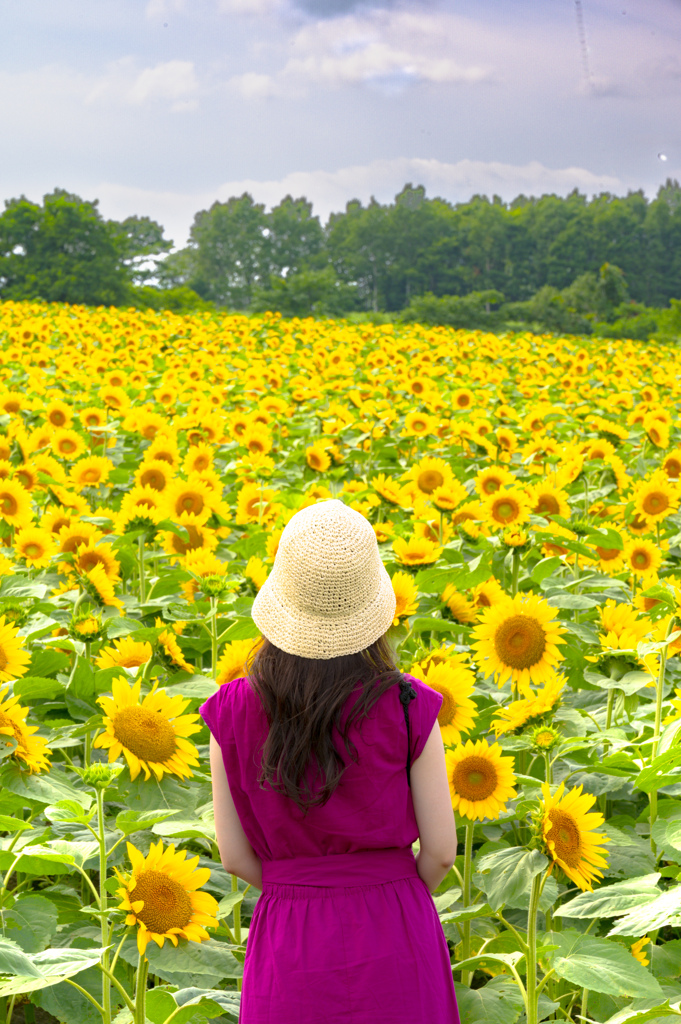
(434, 814)
(236, 853)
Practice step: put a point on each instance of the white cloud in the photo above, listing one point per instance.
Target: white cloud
(250, 7)
(174, 80)
(253, 86)
(329, 191)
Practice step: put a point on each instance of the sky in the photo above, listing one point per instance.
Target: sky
(162, 107)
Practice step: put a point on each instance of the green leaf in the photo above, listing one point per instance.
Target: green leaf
(434, 581)
(195, 686)
(68, 811)
(567, 600)
(186, 828)
(604, 537)
(50, 967)
(35, 917)
(212, 959)
(241, 629)
(41, 789)
(660, 772)
(601, 966)
(80, 852)
(228, 903)
(38, 860)
(545, 568)
(160, 1004)
(129, 822)
(629, 1016)
(483, 961)
(9, 824)
(500, 1001)
(507, 874)
(613, 900)
(460, 913)
(423, 624)
(32, 688)
(228, 1000)
(656, 914)
(444, 900)
(13, 960)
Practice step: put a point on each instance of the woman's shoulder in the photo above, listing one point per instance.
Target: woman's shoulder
(235, 699)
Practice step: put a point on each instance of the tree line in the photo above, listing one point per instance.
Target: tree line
(568, 264)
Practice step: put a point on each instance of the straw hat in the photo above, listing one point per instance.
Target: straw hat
(328, 593)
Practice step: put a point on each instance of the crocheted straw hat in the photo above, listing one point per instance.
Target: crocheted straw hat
(328, 593)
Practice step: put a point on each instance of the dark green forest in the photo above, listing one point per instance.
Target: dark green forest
(609, 265)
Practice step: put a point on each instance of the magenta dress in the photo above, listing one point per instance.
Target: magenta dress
(345, 931)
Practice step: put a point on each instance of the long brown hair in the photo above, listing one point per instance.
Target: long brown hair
(304, 700)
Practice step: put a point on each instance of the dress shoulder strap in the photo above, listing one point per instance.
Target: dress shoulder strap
(407, 695)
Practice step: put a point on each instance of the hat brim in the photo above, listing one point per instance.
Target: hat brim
(319, 637)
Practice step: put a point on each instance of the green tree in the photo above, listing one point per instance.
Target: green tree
(230, 248)
(60, 251)
(140, 244)
(295, 238)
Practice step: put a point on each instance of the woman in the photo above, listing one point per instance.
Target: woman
(309, 759)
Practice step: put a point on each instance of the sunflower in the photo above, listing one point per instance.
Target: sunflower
(492, 479)
(71, 537)
(155, 473)
(151, 733)
(461, 609)
(637, 950)
(506, 439)
(235, 660)
(406, 596)
(67, 444)
(488, 593)
(30, 749)
(91, 471)
(549, 501)
(463, 398)
(257, 439)
(198, 536)
(317, 457)
(101, 587)
(191, 497)
(619, 619)
(171, 650)
(610, 560)
(160, 897)
(35, 545)
(126, 653)
(671, 464)
(481, 780)
(529, 709)
(416, 551)
(15, 503)
(388, 489)
(454, 681)
(506, 507)
(88, 556)
(254, 504)
(59, 414)
(656, 498)
(256, 571)
(199, 458)
(419, 424)
(517, 639)
(92, 417)
(567, 831)
(429, 473)
(642, 556)
(14, 660)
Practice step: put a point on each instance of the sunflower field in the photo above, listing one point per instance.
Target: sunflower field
(525, 495)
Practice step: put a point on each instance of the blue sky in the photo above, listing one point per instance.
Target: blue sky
(161, 107)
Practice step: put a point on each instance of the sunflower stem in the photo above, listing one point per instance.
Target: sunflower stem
(531, 957)
(467, 871)
(585, 1002)
(237, 921)
(659, 688)
(549, 767)
(140, 566)
(214, 636)
(141, 990)
(515, 557)
(106, 984)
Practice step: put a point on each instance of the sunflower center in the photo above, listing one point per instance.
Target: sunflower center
(58, 418)
(474, 778)
(655, 502)
(564, 834)
(33, 550)
(91, 476)
(505, 510)
(429, 480)
(607, 554)
(547, 505)
(640, 559)
(7, 723)
(491, 485)
(166, 904)
(449, 707)
(190, 503)
(673, 468)
(145, 733)
(520, 641)
(9, 504)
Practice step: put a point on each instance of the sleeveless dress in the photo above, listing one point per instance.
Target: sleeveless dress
(345, 931)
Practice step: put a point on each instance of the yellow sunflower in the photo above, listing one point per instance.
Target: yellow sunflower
(254, 504)
(154, 473)
(30, 749)
(91, 471)
(642, 556)
(199, 536)
(567, 831)
(102, 587)
(72, 534)
(492, 479)
(517, 639)
(671, 464)
(192, 497)
(171, 649)
(125, 652)
(487, 594)
(161, 898)
(430, 473)
(88, 556)
(418, 424)
(550, 501)
(14, 660)
(15, 503)
(449, 496)
(529, 709)
(506, 507)
(462, 610)
(256, 571)
(406, 596)
(35, 545)
(317, 457)
(637, 950)
(454, 681)
(388, 489)
(481, 780)
(67, 444)
(655, 499)
(416, 551)
(235, 660)
(150, 733)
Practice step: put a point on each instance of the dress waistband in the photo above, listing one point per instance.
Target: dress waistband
(366, 867)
